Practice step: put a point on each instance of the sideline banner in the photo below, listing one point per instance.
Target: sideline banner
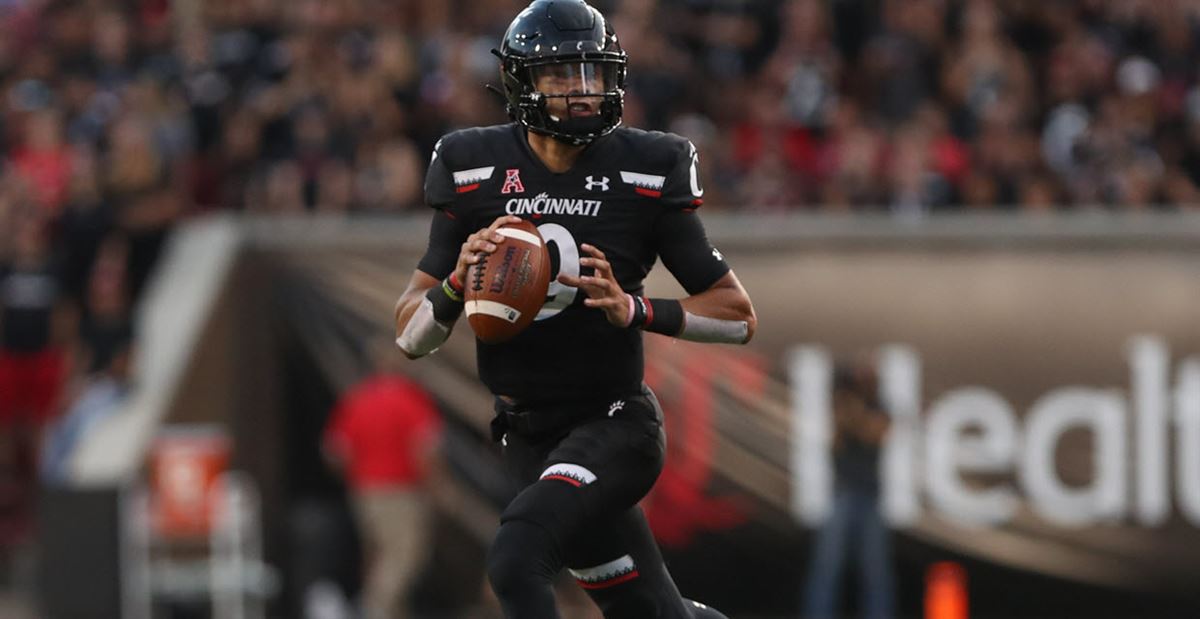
(1046, 399)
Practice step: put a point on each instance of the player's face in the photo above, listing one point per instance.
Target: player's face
(573, 90)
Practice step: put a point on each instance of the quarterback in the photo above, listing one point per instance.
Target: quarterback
(577, 424)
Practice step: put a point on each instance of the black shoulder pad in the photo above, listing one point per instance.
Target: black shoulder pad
(461, 162)
(663, 166)
(682, 188)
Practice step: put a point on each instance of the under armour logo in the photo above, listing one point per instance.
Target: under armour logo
(717, 254)
(615, 406)
(602, 183)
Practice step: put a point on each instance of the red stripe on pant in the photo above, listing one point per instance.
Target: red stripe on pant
(569, 480)
(604, 584)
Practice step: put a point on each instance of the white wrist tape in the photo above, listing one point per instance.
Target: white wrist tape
(422, 335)
(713, 330)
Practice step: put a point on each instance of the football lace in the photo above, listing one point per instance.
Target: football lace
(477, 275)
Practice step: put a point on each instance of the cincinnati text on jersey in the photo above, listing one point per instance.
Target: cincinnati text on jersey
(543, 204)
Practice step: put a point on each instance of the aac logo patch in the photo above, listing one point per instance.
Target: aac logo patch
(512, 181)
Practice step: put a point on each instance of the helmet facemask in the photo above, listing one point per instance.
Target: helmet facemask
(575, 97)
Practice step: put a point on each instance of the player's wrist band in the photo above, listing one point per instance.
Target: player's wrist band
(447, 301)
(636, 316)
(663, 316)
(454, 288)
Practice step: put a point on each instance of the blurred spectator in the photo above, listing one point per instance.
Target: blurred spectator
(913, 105)
(101, 396)
(385, 433)
(33, 333)
(105, 317)
(42, 160)
(851, 160)
(899, 64)
(855, 530)
(32, 326)
(86, 220)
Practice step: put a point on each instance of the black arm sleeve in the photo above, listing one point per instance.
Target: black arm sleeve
(447, 234)
(446, 237)
(686, 252)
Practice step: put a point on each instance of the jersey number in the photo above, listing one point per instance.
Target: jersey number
(559, 296)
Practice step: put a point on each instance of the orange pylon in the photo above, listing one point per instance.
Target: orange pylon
(946, 591)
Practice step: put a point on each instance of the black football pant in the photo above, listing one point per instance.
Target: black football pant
(579, 511)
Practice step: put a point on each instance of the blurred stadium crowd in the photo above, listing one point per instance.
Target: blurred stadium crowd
(119, 119)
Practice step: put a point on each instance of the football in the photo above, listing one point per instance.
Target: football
(506, 289)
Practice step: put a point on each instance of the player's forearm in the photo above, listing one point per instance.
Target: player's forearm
(722, 314)
(425, 315)
(721, 304)
(718, 318)
(406, 306)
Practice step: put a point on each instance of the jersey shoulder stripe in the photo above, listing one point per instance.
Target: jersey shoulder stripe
(648, 181)
(469, 180)
(462, 161)
(662, 166)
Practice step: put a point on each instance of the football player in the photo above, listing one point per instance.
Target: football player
(577, 423)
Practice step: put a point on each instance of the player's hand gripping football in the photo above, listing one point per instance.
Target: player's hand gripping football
(601, 287)
(482, 242)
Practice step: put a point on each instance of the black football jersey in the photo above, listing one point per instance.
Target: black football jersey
(27, 299)
(631, 193)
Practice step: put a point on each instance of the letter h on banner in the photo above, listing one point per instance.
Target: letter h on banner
(810, 371)
(900, 392)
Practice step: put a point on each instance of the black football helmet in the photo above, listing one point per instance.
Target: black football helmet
(563, 49)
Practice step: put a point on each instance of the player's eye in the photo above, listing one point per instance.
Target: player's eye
(574, 77)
